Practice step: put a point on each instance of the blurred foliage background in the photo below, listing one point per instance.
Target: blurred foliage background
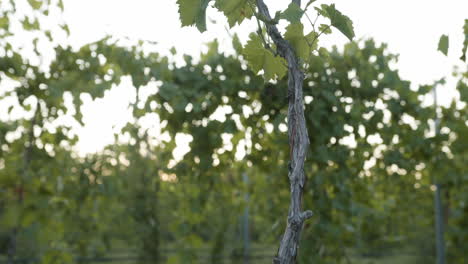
(372, 162)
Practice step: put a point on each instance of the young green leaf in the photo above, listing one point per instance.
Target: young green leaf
(235, 10)
(259, 58)
(48, 34)
(188, 11)
(338, 20)
(443, 44)
(212, 50)
(4, 23)
(463, 90)
(30, 25)
(325, 29)
(236, 44)
(309, 3)
(193, 12)
(65, 28)
(302, 45)
(293, 13)
(200, 21)
(35, 4)
(465, 43)
(60, 5)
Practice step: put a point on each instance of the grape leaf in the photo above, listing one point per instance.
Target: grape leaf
(200, 21)
(443, 44)
(30, 25)
(193, 12)
(463, 90)
(234, 10)
(259, 58)
(303, 45)
(465, 43)
(35, 4)
(60, 5)
(188, 11)
(213, 48)
(293, 13)
(4, 22)
(309, 3)
(236, 44)
(66, 29)
(325, 29)
(338, 20)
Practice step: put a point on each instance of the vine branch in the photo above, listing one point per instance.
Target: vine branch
(298, 142)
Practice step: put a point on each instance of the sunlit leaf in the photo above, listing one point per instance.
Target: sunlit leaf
(465, 42)
(325, 29)
(213, 47)
(66, 29)
(338, 20)
(193, 12)
(309, 3)
(4, 22)
(443, 44)
(463, 90)
(35, 4)
(236, 44)
(30, 25)
(259, 59)
(303, 45)
(235, 10)
(293, 13)
(60, 5)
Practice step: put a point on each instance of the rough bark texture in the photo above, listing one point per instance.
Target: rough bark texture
(298, 144)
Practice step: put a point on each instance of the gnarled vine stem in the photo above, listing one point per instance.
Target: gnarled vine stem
(298, 143)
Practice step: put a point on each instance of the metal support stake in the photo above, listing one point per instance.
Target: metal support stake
(246, 221)
(439, 224)
(440, 243)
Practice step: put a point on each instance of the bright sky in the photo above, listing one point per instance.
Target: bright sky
(411, 28)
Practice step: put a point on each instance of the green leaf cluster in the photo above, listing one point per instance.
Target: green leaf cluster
(259, 59)
(443, 44)
(303, 45)
(235, 10)
(337, 19)
(465, 42)
(293, 13)
(193, 12)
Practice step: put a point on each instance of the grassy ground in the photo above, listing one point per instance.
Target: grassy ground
(266, 259)
(386, 260)
(125, 255)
